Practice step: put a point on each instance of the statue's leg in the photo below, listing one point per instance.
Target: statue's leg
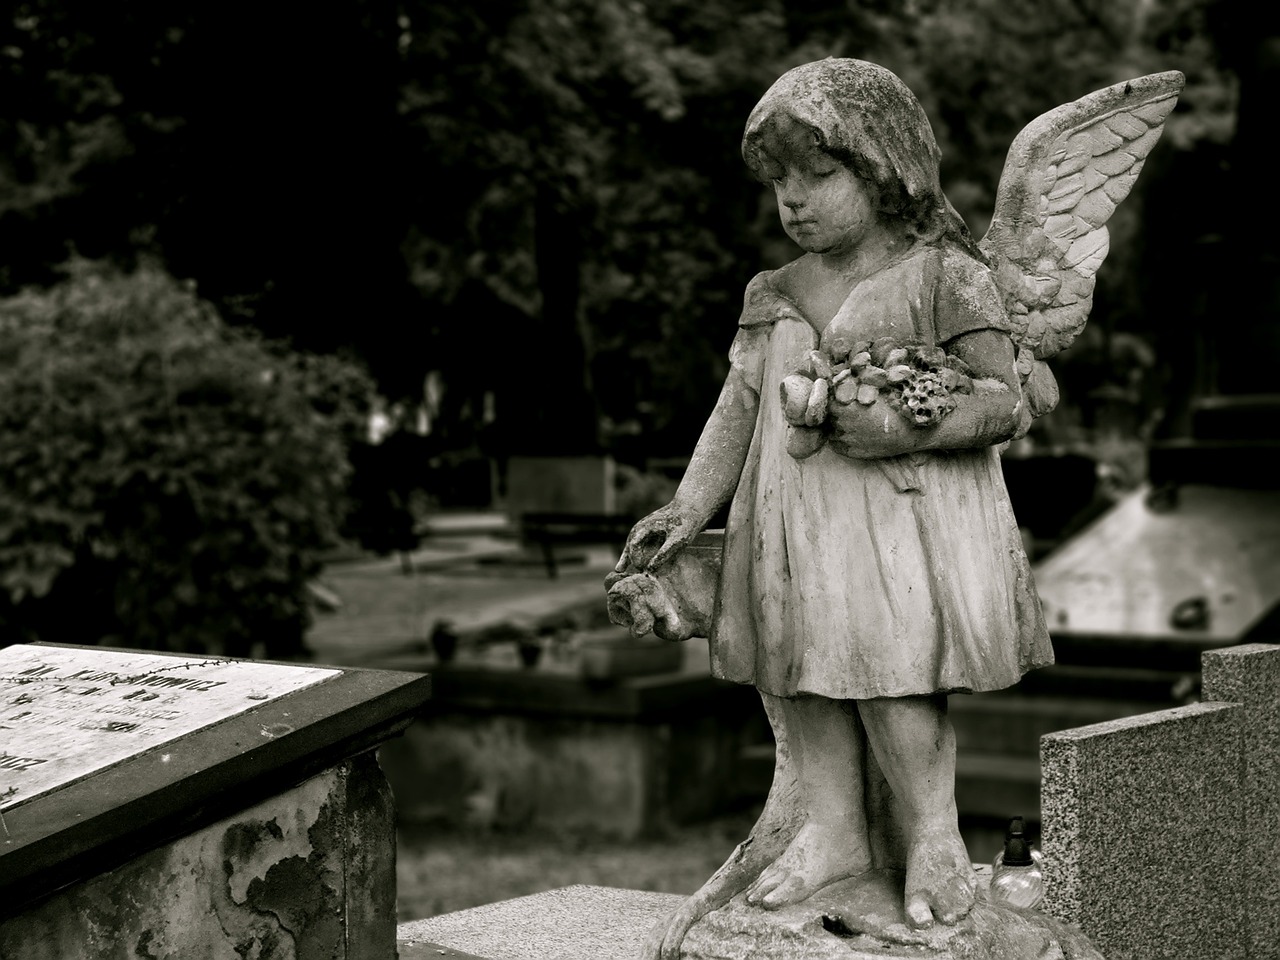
(886, 816)
(776, 827)
(915, 745)
(829, 744)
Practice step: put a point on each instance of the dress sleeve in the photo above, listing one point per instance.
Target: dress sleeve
(747, 354)
(965, 298)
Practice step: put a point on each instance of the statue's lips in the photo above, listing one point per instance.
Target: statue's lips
(801, 223)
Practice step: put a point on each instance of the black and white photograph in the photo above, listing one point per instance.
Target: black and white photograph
(639, 480)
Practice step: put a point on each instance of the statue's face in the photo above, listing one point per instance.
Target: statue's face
(824, 206)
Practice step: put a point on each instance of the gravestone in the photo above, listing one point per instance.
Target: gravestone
(583, 484)
(162, 805)
(1160, 832)
(76, 711)
(1250, 675)
(1140, 833)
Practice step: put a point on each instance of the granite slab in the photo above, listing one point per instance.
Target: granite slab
(572, 923)
(1250, 675)
(1141, 833)
(858, 919)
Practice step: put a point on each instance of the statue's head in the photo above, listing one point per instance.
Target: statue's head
(863, 116)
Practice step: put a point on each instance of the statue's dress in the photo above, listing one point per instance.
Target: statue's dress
(856, 579)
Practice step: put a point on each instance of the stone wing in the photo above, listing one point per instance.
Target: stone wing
(1065, 174)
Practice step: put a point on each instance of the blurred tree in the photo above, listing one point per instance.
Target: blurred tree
(593, 189)
(169, 482)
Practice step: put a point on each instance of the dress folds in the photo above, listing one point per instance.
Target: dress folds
(857, 579)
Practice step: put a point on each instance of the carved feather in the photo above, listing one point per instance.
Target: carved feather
(1065, 174)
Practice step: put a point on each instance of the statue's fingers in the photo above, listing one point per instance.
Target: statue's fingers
(664, 553)
(643, 543)
(634, 550)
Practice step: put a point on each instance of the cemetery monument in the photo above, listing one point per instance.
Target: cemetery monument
(156, 804)
(871, 563)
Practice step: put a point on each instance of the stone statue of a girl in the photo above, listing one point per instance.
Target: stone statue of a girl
(871, 562)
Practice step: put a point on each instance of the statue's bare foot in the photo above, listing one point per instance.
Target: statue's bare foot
(940, 878)
(819, 855)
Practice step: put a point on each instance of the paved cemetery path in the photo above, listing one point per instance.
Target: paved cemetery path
(469, 573)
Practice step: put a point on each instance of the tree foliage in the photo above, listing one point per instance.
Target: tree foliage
(554, 180)
(169, 482)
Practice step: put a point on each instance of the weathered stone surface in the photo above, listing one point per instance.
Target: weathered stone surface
(1143, 839)
(572, 923)
(599, 923)
(863, 918)
(1250, 675)
(370, 869)
(305, 875)
(872, 562)
(70, 711)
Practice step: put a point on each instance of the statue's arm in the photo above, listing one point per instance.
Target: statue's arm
(709, 481)
(718, 458)
(987, 416)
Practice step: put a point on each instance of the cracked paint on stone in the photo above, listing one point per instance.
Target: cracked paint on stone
(271, 883)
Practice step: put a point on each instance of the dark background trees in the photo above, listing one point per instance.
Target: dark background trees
(542, 200)
(168, 482)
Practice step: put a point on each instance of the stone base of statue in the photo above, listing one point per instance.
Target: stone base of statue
(852, 919)
(862, 918)
(601, 923)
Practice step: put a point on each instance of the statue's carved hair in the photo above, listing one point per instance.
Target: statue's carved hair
(868, 119)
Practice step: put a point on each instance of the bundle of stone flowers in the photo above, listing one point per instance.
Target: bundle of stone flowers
(918, 382)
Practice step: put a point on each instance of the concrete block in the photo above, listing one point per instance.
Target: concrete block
(601, 923)
(1142, 835)
(572, 923)
(307, 873)
(1250, 675)
(513, 772)
(517, 748)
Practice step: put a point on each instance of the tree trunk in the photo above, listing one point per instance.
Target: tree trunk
(553, 408)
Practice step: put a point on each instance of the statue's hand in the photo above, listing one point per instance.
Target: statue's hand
(657, 538)
(871, 432)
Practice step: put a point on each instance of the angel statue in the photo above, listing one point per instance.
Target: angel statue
(871, 562)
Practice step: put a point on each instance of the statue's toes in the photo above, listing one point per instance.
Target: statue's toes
(791, 890)
(766, 884)
(947, 903)
(952, 902)
(919, 913)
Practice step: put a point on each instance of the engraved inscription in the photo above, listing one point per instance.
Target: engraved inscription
(66, 713)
